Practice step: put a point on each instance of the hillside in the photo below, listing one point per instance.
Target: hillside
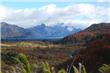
(88, 33)
(97, 47)
(99, 28)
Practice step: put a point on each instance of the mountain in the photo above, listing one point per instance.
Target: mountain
(12, 31)
(88, 33)
(99, 28)
(56, 31)
(37, 32)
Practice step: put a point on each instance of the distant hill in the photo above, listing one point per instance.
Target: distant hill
(9, 31)
(88, 33)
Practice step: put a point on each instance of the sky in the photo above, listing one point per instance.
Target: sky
(75, 13)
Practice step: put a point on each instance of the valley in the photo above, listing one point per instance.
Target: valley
(90, 47)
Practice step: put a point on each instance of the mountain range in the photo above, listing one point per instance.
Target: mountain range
(10, 31)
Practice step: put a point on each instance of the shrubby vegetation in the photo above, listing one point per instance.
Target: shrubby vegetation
(26, 44)
(23, 66)
(7, 57)
(104, 68)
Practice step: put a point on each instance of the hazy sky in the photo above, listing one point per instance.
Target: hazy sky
(77, 13)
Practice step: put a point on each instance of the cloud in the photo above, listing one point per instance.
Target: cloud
(43, 1)
(48, 1)
(4, 11)
(78, 15)
(103, 0)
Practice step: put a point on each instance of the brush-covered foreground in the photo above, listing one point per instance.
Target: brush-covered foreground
(23, 66)
(36, 52)
(93, 54)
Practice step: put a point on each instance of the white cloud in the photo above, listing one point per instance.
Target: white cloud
(4, 12)
(103, 0)
(77, 15)
(50, 9)
(48, 1)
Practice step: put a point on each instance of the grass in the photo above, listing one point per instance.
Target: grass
(26, 67)
(54, 54)
(104, 68)
(42, 51)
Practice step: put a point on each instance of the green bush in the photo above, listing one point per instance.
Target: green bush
(46, 67)
(23, 61)
(81, 69)
(62, 71)
(26, 68)
(104, 68)
(13, 69)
